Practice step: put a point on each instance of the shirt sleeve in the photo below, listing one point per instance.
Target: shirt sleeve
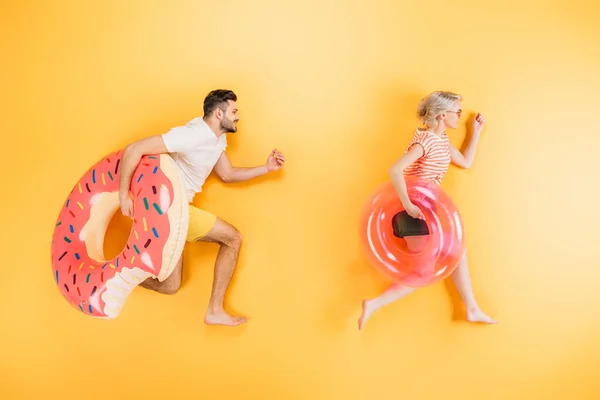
(179, 139)
(424, 140)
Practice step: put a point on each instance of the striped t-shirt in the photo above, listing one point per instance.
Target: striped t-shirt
(435, 161)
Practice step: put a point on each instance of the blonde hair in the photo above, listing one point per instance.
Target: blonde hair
(433, 105)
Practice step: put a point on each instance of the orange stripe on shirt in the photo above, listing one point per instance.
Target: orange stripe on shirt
(436, 158)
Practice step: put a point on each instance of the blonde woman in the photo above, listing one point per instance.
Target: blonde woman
(428, 156)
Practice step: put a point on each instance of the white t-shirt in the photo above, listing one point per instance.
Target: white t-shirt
(195, 149)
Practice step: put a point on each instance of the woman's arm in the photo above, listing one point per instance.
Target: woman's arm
(399, 182)
(466, 158)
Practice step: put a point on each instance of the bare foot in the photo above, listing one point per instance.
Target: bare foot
(222, 318)
(367, 310)
(477, 315)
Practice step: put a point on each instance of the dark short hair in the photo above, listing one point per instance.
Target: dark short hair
(218, 98)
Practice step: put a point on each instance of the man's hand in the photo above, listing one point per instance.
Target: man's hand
(275, 160)
(127, 206)
(131, 157)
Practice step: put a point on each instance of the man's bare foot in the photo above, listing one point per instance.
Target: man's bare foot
(367, 311)
(222, 318)
(476, 315)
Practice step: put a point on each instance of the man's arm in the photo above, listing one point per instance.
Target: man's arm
(131, 158)
(230, 174)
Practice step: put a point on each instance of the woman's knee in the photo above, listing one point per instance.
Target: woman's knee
(416, 244)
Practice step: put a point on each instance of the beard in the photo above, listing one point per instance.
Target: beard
(228, 126)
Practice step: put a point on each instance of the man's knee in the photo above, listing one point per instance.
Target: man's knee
(232, 238)
(167, 287)
(223, 233)
(236, 238)
(172, 284)
(171, 288)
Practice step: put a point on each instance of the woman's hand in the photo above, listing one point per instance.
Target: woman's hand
(478, 123)
(414, 211)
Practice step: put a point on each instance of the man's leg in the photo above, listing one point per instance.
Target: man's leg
(230, 240)
(170, 285)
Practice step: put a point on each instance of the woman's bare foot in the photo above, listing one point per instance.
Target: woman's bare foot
(367, 311)
(222, 318)
(476, 315)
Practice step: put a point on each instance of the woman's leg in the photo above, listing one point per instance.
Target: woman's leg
(462, 281)
(395, 291)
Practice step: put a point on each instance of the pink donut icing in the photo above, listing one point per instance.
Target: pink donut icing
(99, 287)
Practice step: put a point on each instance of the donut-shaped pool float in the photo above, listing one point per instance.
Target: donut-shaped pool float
(99, 287)
(438, 258)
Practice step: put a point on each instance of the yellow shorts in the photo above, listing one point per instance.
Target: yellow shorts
(201, 222)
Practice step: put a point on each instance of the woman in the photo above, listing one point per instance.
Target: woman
(428, 156)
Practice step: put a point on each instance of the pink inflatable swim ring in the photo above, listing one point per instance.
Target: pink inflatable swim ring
(389, 254)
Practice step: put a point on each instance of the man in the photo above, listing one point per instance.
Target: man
(197, 148)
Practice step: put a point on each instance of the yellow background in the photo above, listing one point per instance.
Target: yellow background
(333, 85)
